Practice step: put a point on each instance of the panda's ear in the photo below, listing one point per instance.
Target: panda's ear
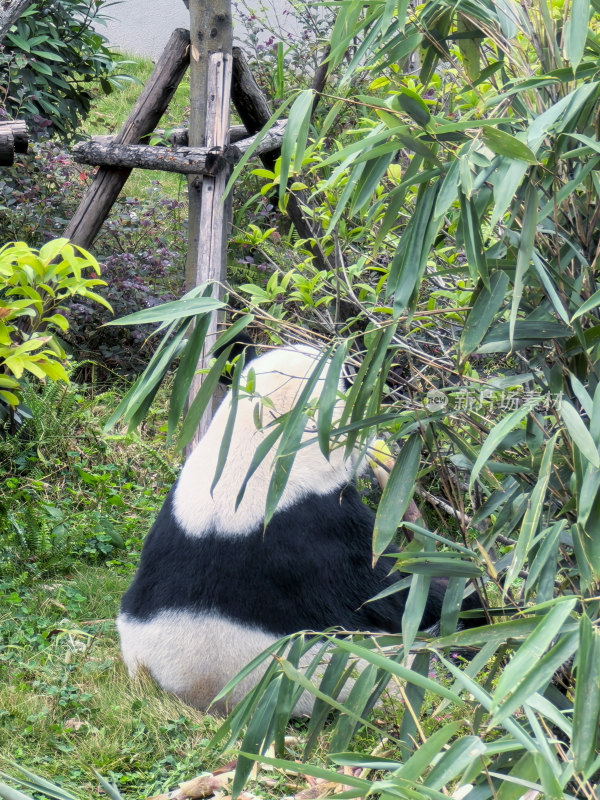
(241, 344)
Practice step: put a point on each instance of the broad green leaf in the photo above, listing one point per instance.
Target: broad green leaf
(52, 249)
(578, 432)
(486, 306)
(505, 144)
(329, 397)
(496, 436)
(586, 708)
(576, 31)
(397, 494)
(167, 312)
(294, 139)
(203, 396)
(410, 102)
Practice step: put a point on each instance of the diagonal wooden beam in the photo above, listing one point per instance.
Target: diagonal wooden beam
(145, 115)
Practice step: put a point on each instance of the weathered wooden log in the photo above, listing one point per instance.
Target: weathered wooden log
(18, 128)
(13, 139)
(179, 136)
(185, 160)
(150, 106)
(105, 151)
(7, 148)
(251, 104)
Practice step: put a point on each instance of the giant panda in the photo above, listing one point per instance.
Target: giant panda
(215, 588)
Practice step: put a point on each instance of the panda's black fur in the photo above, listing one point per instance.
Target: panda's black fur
(207, 598)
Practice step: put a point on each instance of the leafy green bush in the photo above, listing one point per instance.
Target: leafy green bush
(52, 61)
(34, 288)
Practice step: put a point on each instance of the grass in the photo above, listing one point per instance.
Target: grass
(67, 702)
(110, 112)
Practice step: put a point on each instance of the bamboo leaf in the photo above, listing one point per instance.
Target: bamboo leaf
(471, 229)
(525, 253)
(533, 648)
(579, 433)
(294, 139)
(228, 432)
(586, 708)
(329, 397)
(201, 400)
(532, 515)
(397, 494)
(588, 305)
(537, 678)
(188, 364)
(455, 760)
(394, 668)
(496, 436)
(576, 31)
(167, 312)
(505, 144)
(486, 306)
(291, 436)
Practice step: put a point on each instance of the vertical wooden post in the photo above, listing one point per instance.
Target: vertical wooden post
(210, 86)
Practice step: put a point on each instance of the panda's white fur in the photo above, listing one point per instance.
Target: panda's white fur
(215, 588)
(280, 377)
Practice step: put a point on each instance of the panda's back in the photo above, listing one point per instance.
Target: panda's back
(280, 580)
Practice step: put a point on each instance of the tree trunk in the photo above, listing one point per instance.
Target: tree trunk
(10, 11)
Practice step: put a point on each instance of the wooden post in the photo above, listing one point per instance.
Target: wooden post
(210, 91)
(151, 105)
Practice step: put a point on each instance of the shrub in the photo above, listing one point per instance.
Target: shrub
(51, 62)
(34, 288)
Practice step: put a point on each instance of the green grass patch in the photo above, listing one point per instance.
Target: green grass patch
(67, 702)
